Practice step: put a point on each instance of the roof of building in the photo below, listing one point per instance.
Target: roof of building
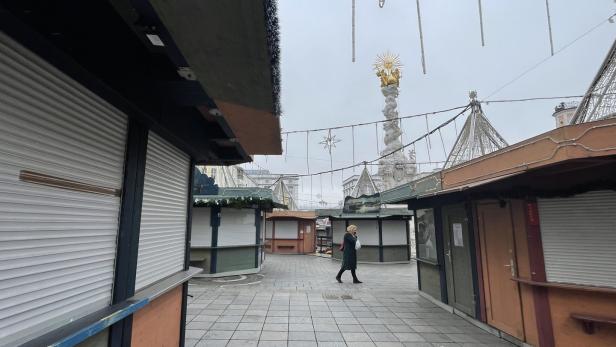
(384, 213)
(364, 185)
(478, 137)
(599, 102)
(292, 214)
(244, 197)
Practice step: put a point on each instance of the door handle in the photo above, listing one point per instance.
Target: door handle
(511, 267)
(448, 254)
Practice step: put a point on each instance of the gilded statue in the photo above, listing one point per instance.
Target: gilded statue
(387, 67)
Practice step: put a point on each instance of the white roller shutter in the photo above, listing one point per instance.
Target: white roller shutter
(367, 231)
(286, 229)
(237, 227)
(57, 245)
(162, 235)
(394, 232)
(338, 230)
(579, 238)
(268, 229)
(201, 230)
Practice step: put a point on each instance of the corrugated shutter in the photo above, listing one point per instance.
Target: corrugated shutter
(579, 238)
(286, 229)
(237, 227)
(57, 246)
(162, 235)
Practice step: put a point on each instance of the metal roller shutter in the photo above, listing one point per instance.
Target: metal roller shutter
(578, 235)
(57, 243)
(163, 216)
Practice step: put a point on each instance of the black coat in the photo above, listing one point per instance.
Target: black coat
(349, 256)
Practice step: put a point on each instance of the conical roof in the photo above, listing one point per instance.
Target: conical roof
(478, 137)
(365, 185)
(599, 102)
(282, 193)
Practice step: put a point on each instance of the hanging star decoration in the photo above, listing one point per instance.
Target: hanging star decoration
(329, 142)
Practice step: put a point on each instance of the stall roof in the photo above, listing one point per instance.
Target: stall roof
(292, 214)
(584, 153)
(244, 197)
(384, 213)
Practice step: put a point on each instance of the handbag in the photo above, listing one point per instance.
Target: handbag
(357, 245)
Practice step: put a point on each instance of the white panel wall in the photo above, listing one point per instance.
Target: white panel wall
(57, 246)
(368, 231)
(201, 231)
(268, 229)
(237, 227)
(394, 232)
(162, 238)
(579, 238)
(286, 229)
(338, 231)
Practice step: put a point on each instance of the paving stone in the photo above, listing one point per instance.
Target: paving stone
(326, 327)
(212, 343)
(246, 335)
(274, 335)
(194, 334)
(250, 326)
(383, 337)
(267, 343)
(375, 328)
(278, 320)
(199, 325)
(190, 342)
(276, 327)
(400, 328)
(409, 337)
(301, 343)
(350, 328)
(301, 327)
(224, 326)
(243, 343)
(218, 335)
(355, 337)
(329, 336)
(302, 336)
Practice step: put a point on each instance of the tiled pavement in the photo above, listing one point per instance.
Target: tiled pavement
(295, 301)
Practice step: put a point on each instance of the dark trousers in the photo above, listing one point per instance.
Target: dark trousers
(352, 273)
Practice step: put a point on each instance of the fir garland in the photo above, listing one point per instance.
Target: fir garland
(235, 202)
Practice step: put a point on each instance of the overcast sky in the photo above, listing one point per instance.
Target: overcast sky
(321, 87)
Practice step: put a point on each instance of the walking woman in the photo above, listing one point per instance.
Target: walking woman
(349, 257)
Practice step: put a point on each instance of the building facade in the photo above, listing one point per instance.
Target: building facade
(266, 179)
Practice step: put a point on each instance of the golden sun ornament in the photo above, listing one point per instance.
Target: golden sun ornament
(387, 67)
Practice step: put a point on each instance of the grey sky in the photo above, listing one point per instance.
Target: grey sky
(321, 87)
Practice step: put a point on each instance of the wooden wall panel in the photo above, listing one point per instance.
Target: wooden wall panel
(158, 324)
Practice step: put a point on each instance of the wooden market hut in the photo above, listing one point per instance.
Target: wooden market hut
(521, 241)
(384, 235)
(227, 230)
(290, 232)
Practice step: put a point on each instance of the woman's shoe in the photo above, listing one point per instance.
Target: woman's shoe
(338, 279)
(357, 281)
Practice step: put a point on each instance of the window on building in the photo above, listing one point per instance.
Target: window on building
(240, 174)
(426, 235)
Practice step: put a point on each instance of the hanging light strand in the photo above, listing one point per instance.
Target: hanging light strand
(547, 9)
(483, 43)
(421, 41)
(353, 31)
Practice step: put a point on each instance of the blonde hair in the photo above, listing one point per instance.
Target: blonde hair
(351, 228)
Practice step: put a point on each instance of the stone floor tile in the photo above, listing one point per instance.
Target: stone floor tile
(323, 320)
(388, 344)
(383, 337)
(276, 327)
(299, 320)
(409, 337)
(326, 327)
(218, 335)
(301, 343)
(350, 328)
(194, 334)
(224, 326)
(301, 327)
(274, 335)
(346, 320)
(190, 342)
(425, 329)
(375, 328)
(267, 343)
(212, 343)
(253, 319)
(243, 343)
(327, 336)
(400, 328)
(331, 344)
(250, 326)
(278, 320)
(205, 318)
(462, 338)
(355, 337)
(272, 313)
(302, 336)
(199, 325)
(246, 335)
(229, 319)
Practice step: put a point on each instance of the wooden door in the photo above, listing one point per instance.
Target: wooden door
(309, 237)
(458, 266)
(502, 295)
